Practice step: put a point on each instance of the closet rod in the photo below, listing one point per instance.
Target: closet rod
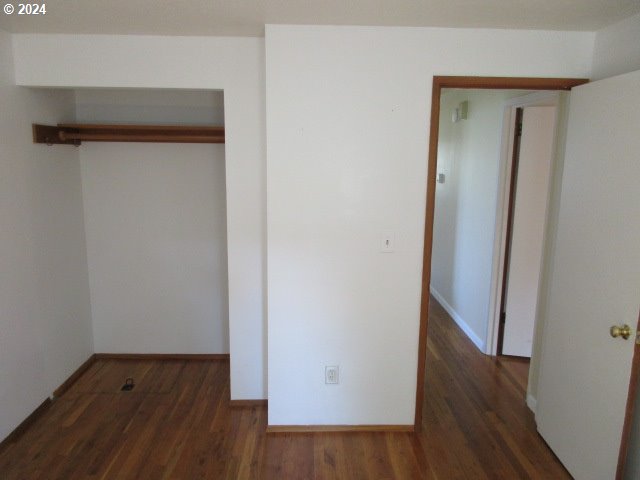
(74, 134)
(107, 137)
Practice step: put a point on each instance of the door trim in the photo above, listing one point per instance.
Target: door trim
(440, 82)
(629, 410)
(505, 252)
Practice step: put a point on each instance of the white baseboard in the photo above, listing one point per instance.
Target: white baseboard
(531, 403)
(477, 341)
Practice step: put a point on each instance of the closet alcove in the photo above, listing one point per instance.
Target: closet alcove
(152, 170)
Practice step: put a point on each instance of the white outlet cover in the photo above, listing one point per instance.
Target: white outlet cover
(332, 375)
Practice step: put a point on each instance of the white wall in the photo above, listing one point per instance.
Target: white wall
(45, 319)
(617, 48)
(156, 245)
(347, 115)
(235, 65)
(465, 215)
(154, 107)
(155, 219)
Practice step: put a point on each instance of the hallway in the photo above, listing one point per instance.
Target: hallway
(477, 403)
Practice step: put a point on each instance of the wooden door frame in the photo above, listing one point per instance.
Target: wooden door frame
(511, 203)
(440, 82)
(630, 407)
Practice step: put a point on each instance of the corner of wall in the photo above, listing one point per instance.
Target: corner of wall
(615, 49)
(45, 311)
(464, 326)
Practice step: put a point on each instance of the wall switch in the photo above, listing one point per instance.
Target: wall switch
(387, 242)
(331, 375)
(463, 110)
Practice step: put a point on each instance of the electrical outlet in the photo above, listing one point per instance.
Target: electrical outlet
(331, 375)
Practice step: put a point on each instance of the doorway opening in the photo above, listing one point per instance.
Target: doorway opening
(495, 158)
(440, 83)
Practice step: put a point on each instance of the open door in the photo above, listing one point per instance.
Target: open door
(533, 153)
(595, 281)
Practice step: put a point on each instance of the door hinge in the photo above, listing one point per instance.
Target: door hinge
(519, 129)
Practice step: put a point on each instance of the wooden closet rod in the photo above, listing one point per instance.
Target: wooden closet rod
(74, 133)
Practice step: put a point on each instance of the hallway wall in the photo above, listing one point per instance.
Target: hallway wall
(465, 213)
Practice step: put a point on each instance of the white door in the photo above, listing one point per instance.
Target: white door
(595, 280)
(527, 237)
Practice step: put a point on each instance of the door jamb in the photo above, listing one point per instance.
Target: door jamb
(440, 82)
(630, 407)
(506, 235)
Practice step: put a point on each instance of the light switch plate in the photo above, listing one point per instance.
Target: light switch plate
(387, 242)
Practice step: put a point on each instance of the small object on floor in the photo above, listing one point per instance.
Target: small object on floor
(128, 385)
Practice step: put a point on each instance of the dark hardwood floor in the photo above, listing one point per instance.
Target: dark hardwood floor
(177, 423)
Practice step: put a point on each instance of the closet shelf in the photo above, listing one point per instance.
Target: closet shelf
(75, 134)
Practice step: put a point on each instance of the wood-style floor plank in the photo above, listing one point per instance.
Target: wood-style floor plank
(177, 424)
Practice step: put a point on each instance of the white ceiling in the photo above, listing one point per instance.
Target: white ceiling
(248, 17)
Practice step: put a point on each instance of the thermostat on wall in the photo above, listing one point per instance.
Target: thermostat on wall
(460, 112)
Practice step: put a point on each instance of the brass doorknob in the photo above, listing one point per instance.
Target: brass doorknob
(624, 331)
